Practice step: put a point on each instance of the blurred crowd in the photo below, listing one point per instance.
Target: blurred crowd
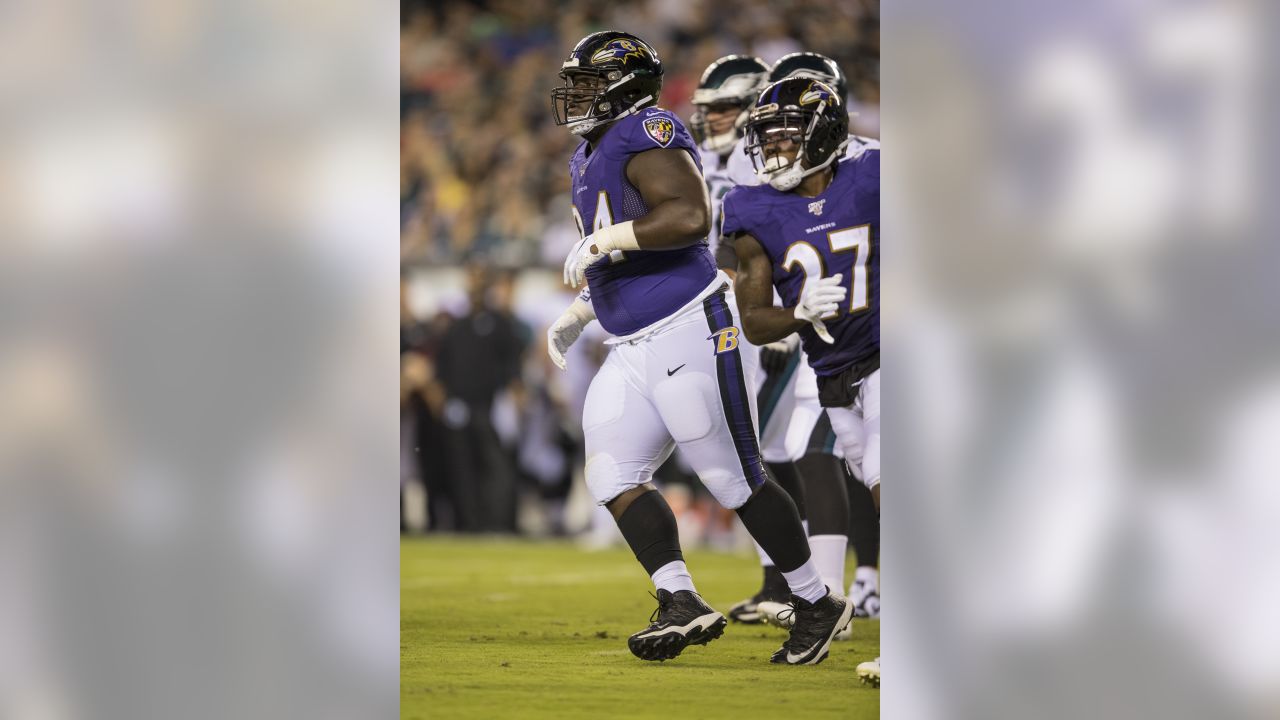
(483, 166)
(490, 430)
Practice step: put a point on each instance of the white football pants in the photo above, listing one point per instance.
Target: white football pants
(691, 383)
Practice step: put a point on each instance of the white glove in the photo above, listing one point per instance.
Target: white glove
(590, 249)
(565, 331)
(583, 255)
(821, 298)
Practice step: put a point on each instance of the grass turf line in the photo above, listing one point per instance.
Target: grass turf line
(502, 628)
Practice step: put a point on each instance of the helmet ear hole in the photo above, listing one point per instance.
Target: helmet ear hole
(635, 96)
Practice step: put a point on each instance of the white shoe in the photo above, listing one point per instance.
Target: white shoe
(776, 614)
(865, 599)
(869, 672)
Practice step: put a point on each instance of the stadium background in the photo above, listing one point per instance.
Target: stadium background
(490, 428)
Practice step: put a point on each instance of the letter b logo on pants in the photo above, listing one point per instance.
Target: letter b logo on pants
(726, 340)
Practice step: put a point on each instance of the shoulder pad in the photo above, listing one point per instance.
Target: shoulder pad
(653, 128)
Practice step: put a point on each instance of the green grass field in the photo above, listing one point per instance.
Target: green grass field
(501, 628)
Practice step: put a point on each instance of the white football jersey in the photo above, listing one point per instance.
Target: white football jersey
(717, 171)
(741, 171)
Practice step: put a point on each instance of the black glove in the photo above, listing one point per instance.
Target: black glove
(775, 356)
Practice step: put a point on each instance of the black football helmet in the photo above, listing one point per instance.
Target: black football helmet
(608, 75)
(811, 65)
(805, 111)
(732, 80)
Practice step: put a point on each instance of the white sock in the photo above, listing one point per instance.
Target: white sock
(673, 576)
(806, 582)
(828, 554)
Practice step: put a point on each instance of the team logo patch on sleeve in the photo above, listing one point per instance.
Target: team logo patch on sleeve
(660, 129)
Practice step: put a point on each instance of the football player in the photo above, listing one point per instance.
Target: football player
(864, 590)
(676, 373)
(723, 99)
(812, 233)
(795, 434)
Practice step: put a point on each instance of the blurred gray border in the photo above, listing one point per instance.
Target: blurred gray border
(1081, 389)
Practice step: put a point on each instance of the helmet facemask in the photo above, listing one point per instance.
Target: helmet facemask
(807, 132)
(737, 93)
(701, 126)
(594, 93)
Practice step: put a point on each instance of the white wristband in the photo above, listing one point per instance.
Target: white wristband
(621, 236)
(582, 311)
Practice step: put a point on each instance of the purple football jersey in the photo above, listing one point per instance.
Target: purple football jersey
(634, 289)
(807, 238)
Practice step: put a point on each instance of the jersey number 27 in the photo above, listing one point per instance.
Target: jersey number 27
(857, 239)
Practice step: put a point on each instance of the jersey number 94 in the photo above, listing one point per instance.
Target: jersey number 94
(603, 218)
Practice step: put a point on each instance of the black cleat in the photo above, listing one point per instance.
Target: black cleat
(748, 611)
(773, 590)
(816, 624)
(682, 619)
